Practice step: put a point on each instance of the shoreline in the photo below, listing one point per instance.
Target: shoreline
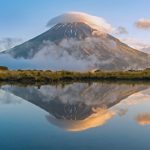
(46, 77)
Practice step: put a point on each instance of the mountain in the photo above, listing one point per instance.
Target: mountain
(77, 31)
(79, 44)
(78, 106)
(146, 50)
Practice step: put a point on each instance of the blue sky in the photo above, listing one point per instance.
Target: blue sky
(28, 18)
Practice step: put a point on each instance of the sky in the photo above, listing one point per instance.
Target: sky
(25, 19)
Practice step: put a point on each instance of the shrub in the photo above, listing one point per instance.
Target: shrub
(3, 68)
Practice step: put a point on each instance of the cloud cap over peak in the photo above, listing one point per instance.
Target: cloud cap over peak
(93, 21)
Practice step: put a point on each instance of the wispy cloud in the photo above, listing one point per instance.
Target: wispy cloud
(121, 30)
(143, 23)
(135, 43)
(56, 56)
(143, 119)
(7, 43)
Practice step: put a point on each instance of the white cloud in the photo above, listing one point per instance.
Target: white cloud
(55, 57)
(121, 30)
(93, 21)
(135, 43)
(7, 43)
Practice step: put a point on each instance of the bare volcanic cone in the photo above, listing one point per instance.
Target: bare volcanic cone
(79, 41)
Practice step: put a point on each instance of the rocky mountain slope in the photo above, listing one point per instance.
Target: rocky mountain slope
(79, 43)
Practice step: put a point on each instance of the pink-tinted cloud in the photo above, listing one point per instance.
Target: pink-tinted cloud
(143, 23)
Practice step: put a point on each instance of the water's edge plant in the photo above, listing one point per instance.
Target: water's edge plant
(48, 76)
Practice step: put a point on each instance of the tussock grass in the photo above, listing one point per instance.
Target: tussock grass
(49, 76)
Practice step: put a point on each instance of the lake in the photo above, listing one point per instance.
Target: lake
(77, 116)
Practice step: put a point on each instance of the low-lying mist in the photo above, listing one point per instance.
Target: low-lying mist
(70, 54)
(74, 55)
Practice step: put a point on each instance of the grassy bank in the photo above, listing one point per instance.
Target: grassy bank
(49, 76)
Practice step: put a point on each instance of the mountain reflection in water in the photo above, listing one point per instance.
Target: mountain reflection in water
(80, 106)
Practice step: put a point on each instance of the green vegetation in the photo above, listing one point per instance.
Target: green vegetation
(49, 76)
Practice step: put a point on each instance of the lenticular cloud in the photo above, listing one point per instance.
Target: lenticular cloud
(93, 21)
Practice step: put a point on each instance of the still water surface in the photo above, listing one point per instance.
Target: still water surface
(77, 116)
